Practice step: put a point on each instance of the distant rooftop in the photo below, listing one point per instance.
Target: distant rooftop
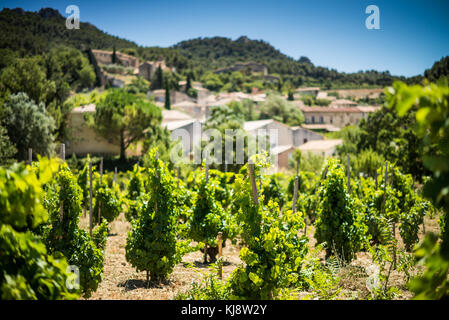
(320, 145)
(173, 125)
(281, 149)
(253, 125)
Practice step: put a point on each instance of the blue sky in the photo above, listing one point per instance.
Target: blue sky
(332, 33)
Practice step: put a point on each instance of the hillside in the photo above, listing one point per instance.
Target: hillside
(31, 33)
(37, 32)
(209, 54)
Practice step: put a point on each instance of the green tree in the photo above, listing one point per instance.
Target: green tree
(188, 82)
(7, 149)
(114, 56)
(394, 136)
(68, 66)
(28, 126)
(27, 75)
(158, 79)
(212, 81)
(277, 108)
(432, 101)
(124, 118)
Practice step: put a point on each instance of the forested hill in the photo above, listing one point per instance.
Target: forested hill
(36, 32)
(32, 33)
(213, 53)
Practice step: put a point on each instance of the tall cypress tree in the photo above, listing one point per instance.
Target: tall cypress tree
(114, 56)
(167, 95)
(188, 82)
(158, 79)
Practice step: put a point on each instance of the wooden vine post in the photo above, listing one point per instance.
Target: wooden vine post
(157, 177)
(61, 210)
(295, 188)
(385, 188)
(383, 212)
(375, 178)
(315, 189)
(115, 175)
(30, 156)
(101, 182)
(207, 181)
(297, 167)
(253, 183)
(348, 169)
(207, 170)
(220, 254)
(90, 198)
(295, 193)
(394, 229)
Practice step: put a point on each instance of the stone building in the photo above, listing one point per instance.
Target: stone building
(337, 116)
(84, 140)
(287, 141)
(326, 148)
(306, 91)
(105, 57)
(148, 68)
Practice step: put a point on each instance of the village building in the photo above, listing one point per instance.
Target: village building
(343, 103)
(303, 135)
(183, 127)
(360, 93)
(83, 140)
(148, 68)
(105, 57)
(288, 139)
(325, 95)
(283, 154)
(337, 116)
(313, 91)
(326, 148)
(321, 127)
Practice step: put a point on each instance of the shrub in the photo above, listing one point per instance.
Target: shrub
(273, 251)
(338, 224)
(63, 236)
(209, 217)
(152, 245)
(27, 270)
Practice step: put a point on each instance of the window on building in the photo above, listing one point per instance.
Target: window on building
(321, 120)
(313, 119)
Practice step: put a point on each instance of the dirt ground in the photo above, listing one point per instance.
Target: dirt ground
(121, 281)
